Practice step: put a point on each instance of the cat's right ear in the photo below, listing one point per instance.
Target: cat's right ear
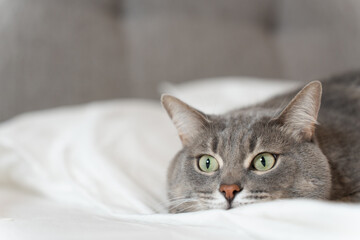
(300, 116)
(188, 121)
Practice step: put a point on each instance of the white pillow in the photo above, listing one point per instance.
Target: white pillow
(98, 155)
(218, 95)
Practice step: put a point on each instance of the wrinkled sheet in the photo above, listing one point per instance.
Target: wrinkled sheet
(98, 171)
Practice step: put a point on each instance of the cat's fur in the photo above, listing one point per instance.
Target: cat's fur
(318, 152)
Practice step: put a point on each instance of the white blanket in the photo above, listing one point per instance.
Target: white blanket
(98, 171)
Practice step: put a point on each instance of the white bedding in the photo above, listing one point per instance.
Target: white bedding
(98, 171)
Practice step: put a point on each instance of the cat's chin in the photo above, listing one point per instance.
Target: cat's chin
(200, 207)
(227, 206)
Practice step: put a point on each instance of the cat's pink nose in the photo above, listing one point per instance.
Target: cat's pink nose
(229, 190)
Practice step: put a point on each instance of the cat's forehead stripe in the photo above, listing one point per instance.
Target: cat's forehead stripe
(214, 144)
(252, 143)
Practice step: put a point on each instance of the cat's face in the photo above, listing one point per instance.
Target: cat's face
(246, 156)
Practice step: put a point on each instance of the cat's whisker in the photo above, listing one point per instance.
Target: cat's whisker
(205, 195)
(207, 198)
(170, 201)
(219, 205)
(193, 207)
(183, 200)
(179, 203)
(180, 197)
(246, 203)
(249, 201)
(204, 192)
(213, 200)
(257, 196)
(180, 200)
(258, 191)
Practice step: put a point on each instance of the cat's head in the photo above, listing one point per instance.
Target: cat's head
(245, 156)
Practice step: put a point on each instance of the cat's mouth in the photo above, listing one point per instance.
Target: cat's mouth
(229, 205)
(232, 205)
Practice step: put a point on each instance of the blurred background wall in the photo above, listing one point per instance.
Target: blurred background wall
(62, 52)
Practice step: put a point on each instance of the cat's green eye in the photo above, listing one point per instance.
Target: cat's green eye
(264, 161)
(208, 164)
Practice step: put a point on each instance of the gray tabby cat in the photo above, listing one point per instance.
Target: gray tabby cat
(267, 152)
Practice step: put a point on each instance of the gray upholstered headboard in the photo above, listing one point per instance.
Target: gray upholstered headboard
(60, 52)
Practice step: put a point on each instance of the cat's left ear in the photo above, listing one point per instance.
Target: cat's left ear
(300, 115)
(188, 121)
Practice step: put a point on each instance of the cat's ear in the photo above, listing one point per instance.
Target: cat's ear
(300, 115)
(188, 121)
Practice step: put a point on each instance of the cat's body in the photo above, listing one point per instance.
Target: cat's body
(269, 151)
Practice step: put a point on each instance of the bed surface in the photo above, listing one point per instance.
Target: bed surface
(98, 171)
